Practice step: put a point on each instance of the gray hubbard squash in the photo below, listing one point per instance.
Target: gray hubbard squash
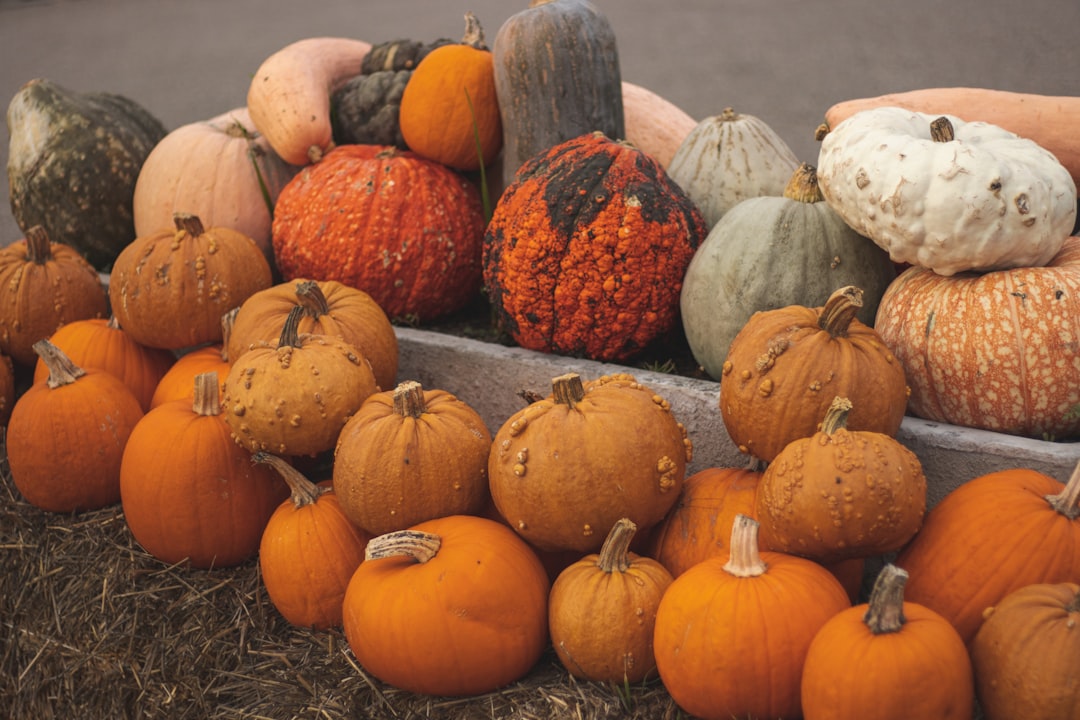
(557, 77)
(728, 158)
(73, 162)
(771, 252)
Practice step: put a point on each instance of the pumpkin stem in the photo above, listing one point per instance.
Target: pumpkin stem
(1067, 502)
(745, 560)
(207, 399)
(755, 464)
(227, 321)
(885, 613)
(821, 131)
(474, 33)
(112, 323)
(420, 546)
(191, 224)
(409, 399)
(836, 416)
(312, 297)
(38, 246)
(615, 552)
(302, 491)
(290, 335)
(941, 130)
(567, 389)
(1074, 604)
(728, 115)
(803, 185)
(62, 371)
(840, 309)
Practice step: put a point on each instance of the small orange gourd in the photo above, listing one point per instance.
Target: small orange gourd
(67, 433)
(409, 455)
(602, 611)
(486, 626)
(449, 112)
(888, 660)
(309, 550)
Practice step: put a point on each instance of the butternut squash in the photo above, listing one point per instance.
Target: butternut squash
(654, 124)
(289, 96)
(1048, 120)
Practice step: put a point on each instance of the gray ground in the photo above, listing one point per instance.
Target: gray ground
(785, 61)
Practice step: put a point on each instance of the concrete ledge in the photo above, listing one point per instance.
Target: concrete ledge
(489, 378)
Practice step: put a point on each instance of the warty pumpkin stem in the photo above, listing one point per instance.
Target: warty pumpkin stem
(474, 32)
(840, 309)
(803, 185)
(941, 130)
(290, 337)
(567, 389)
(1067, 502)
(311, 296)
(409, 399)
(38, 245)
(227, 321)
(615, 552)
(62, 371)
(207, 400)
(836, 416)
(301, 490)
(191, 224)
(745, 560)
(420, 546)
(885, 613)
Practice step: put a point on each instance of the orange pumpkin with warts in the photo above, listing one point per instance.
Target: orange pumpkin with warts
(586, 250)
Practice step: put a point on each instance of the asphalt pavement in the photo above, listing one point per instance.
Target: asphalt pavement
(785, 61)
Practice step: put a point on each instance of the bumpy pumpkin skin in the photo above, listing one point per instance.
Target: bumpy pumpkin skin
(73, 162)
(770, 252)
(485, 627)
(586, 250)
(1026, 653)
(410, 455)
(566, 468)
(544, 54)
(169, 289)
(968, 367)
(785, 367)
(46, 284)
(418, 253)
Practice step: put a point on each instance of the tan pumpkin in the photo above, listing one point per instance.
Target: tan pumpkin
(654, 124)
(222, 170)
(169, 289)
(410, 455)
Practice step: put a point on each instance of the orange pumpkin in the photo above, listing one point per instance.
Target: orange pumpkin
(309, 550)
(967, 367)
(169, 289)
(178, 382)
(67, 433)
(485, 627)
(1026, 654)
(449, 112)
(602, 611)
(46, 285)
(841, 493)
(190, 494)
(564, 469)
(410, 455)
(586, 250)
(888, 660)
(991, 536)
(332, 309)
(418, 253)
(786, 365)
(732, 632)
(103, 344)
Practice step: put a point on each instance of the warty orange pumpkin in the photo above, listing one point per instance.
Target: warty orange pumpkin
(586, 250)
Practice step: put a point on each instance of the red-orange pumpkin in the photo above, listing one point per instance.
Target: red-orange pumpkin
(586, 250)
(405, 230)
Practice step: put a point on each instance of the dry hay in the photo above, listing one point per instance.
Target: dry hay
(91, 626)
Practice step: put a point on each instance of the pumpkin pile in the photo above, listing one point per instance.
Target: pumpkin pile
(234, 386)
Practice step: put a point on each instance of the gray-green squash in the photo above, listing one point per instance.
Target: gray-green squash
(557, 77)
(73, 162)
(769, 252)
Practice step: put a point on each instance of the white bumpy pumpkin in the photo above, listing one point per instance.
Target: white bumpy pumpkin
(945, 194)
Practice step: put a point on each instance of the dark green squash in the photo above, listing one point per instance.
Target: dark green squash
(72, 165)
(557, 77)
(365, 109)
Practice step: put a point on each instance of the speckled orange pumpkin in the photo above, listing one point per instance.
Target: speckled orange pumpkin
(995, 351)
(587, 248)
(405, 230)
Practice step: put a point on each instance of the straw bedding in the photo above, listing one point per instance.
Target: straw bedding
(91, 626)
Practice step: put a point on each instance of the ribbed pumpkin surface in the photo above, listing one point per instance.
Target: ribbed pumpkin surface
(587, 248)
